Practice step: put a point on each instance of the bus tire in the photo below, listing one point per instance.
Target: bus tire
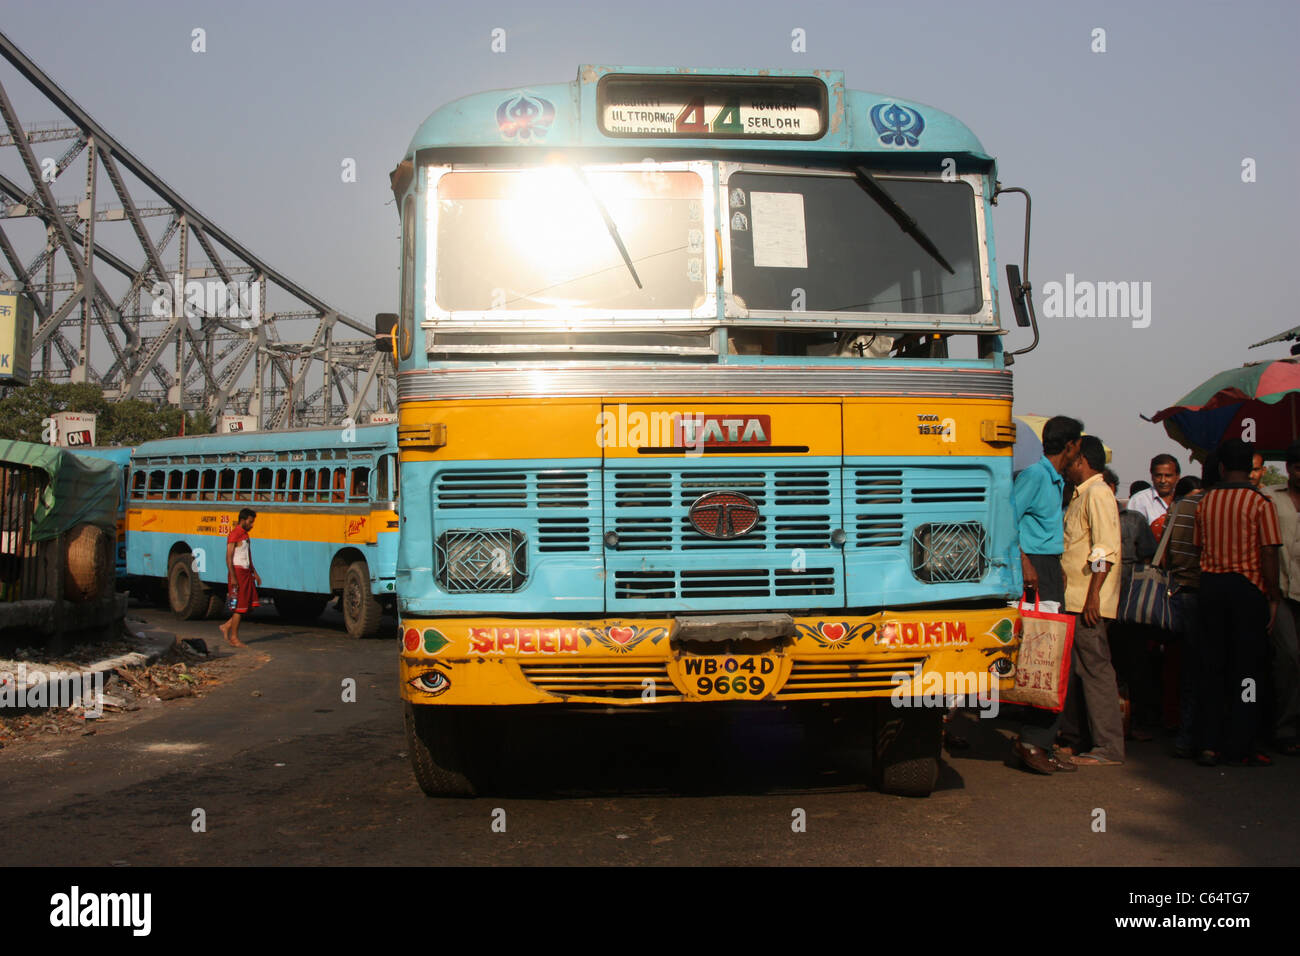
(905, 758)
(435, 748)
(187, 595)
(299, 608)
(361, 612)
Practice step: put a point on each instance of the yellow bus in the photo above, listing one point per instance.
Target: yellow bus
(702, 401)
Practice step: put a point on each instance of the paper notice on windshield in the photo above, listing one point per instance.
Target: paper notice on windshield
(779, 238)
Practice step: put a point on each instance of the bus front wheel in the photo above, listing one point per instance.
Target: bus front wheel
(187, 595)
(361, 612)
(436, 742)
(905, 758)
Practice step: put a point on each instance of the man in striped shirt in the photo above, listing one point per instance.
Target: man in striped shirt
(1237, 532)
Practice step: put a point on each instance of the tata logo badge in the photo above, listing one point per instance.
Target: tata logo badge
(525, 117)
(723, 515)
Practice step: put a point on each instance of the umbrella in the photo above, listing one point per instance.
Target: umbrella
(1029, 441)
(1257, 402)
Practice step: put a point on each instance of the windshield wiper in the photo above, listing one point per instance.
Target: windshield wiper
(905, 222)
(613, 229)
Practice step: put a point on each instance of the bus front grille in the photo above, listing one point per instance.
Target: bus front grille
(610, 680)
(811, 678)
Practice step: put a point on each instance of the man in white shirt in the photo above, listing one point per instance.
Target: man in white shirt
(1286, 626)
(1153, 502)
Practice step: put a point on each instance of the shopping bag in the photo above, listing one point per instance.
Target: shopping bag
(1043, 662)
(1149, 599)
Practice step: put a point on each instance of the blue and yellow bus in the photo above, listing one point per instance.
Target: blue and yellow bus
(702, 401)
(327, 523)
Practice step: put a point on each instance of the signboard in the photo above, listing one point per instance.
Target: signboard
(383, 418)
(236, 423)
(712, 107)
(74, 429)
(15, 339)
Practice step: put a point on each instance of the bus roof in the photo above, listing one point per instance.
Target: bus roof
(268, 441)
(575, 115)
(116, 453)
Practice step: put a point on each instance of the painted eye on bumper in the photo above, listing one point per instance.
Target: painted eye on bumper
(431, 682)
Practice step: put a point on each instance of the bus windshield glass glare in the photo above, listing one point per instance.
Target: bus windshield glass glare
(549, 239)
(826, 236)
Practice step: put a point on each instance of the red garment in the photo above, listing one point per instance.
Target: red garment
(245, 591)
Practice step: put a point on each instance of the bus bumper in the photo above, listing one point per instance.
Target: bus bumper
(637, 662)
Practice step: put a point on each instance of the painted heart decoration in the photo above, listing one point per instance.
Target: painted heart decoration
(622, 635)
(833, 632)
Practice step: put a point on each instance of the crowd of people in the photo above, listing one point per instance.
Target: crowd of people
(1220, 671)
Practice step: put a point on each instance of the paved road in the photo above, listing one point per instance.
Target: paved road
(286, 772)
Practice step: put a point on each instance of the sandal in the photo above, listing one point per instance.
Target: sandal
(1092, 759)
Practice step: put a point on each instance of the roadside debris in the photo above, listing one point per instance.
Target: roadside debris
(181, 672)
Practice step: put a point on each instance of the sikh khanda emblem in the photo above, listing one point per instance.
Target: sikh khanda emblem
(897, 125)
(524, 117)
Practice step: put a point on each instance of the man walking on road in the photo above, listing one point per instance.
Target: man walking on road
(1092, 550)
(242, 577)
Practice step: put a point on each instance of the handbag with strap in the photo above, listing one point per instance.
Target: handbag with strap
(1043, 661)
(1149, 598)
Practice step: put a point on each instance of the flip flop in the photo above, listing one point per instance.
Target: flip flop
(1094, 760)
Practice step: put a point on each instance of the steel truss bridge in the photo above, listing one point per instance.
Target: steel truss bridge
(103, 272)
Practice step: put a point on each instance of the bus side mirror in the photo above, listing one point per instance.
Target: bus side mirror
(1016, 289)
(385, 322)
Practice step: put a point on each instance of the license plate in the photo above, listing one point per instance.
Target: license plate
(730, 676)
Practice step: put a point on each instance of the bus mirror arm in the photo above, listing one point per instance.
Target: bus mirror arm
(1018, 285)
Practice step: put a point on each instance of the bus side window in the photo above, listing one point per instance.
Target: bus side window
(309, 484)
(227, 490)
(281, 483)
(137, 485)
(265, 478)
(174, 481)
(209, 489)
(191, 485)
(323, 485)
(340, 484)
(295, 484)
(360, 484)
(386, 479)
(157, 480)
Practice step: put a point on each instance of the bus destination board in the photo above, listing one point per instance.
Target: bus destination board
(712, 107)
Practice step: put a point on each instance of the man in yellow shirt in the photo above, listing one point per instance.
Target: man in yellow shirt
(1090, 565)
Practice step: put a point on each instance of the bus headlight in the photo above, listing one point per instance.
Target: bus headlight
(949, 551)
(481, 561)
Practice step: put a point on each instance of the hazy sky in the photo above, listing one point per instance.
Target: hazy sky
(1134, 156)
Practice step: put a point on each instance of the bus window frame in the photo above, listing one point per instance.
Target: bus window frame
(735, 314)
(436, 319)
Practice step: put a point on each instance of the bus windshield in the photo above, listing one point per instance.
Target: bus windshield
(536, 239)
(824, 234)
